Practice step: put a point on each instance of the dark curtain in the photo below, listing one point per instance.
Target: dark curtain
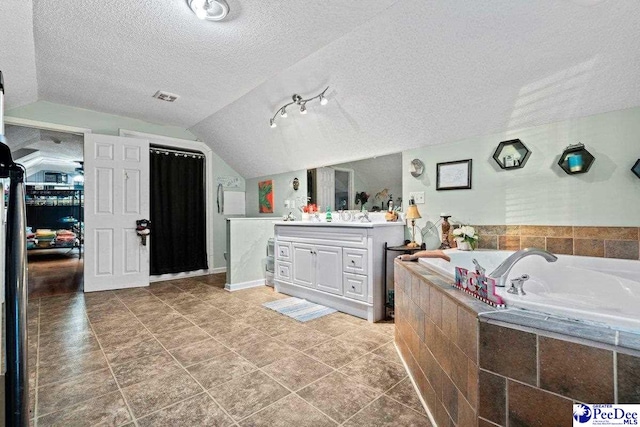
(178, 213)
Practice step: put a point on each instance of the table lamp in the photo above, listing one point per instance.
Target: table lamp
(413, 214)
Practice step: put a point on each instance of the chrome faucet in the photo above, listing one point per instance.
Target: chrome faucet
(501, 273)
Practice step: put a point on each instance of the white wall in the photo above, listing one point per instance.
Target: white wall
(248, 251)
(282, 190)
(221, 168)
(540, 193)
(103, 123)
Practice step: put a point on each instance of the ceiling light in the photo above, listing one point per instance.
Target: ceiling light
(298, 100)
(211, 10)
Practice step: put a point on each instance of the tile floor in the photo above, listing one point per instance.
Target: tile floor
(188, 353)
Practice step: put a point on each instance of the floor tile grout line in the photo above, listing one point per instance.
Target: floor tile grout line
(181, 367)
(403, 404)
(124, 398)
(271, 377)
(255, 306)
(95, 335)
(375, 399)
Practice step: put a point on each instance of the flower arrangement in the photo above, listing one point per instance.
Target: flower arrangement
(466, 237)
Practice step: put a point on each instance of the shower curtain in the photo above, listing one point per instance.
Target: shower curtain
(178, 212)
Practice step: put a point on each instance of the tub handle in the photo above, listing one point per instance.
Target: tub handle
(517, 285)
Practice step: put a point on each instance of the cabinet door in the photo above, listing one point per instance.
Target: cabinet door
(303, 264)
(329, 269)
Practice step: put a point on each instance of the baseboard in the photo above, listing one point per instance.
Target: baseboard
(174, 276)
(218, 270)
(244, 285)
(415, 386)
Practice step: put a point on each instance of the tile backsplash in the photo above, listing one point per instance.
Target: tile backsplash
(608, 242)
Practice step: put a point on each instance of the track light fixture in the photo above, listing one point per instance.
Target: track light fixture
(298, 100)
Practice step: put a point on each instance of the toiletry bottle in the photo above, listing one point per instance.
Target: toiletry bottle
(328, 217)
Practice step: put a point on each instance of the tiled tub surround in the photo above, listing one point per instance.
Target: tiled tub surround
(478, 366)
(608, 242)
(598, 290)
(188, 353)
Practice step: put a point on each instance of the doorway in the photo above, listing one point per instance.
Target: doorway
(54, 188)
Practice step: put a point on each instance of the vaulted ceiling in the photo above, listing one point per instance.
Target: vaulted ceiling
(403, 73)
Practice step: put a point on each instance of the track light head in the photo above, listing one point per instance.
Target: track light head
(296, 100)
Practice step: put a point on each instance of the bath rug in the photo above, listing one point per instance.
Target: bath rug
(299, 309)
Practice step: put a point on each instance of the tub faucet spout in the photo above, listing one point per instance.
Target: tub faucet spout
(501, 273)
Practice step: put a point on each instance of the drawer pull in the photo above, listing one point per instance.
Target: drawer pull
(353, 261)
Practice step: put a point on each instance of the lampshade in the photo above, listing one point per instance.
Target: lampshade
(412, 211)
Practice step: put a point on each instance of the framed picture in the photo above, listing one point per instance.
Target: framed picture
(265, 196)
(453, 175)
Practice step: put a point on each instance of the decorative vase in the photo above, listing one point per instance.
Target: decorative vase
(463, 245)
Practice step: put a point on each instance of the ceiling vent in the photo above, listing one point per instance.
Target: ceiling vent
(166, 96)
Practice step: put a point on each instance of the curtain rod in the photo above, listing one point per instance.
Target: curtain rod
(176, 152)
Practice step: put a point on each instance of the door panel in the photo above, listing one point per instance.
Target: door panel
(116, 195)
(329, 269)
(326, 188)
(303, 264)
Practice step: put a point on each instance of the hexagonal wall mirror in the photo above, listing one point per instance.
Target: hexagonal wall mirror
(512, 154)
(576, 159)
(636, 169)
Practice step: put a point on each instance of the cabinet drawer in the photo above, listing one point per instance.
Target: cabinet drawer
(354, 260)
(283, 250)
(355, 286)
(284, 271)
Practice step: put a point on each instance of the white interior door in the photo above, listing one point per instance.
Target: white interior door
(116, 195)
(325, 188)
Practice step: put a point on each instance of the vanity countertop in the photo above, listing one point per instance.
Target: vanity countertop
(340, 224)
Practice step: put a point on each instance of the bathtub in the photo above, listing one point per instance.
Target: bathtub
(598, 291)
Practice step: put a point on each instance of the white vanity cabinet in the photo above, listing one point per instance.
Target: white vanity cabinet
(338, 265)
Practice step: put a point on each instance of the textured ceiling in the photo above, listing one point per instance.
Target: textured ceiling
(429, 72)
(17, 53)
(47, 144)
(112, 56)
(403, 73)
